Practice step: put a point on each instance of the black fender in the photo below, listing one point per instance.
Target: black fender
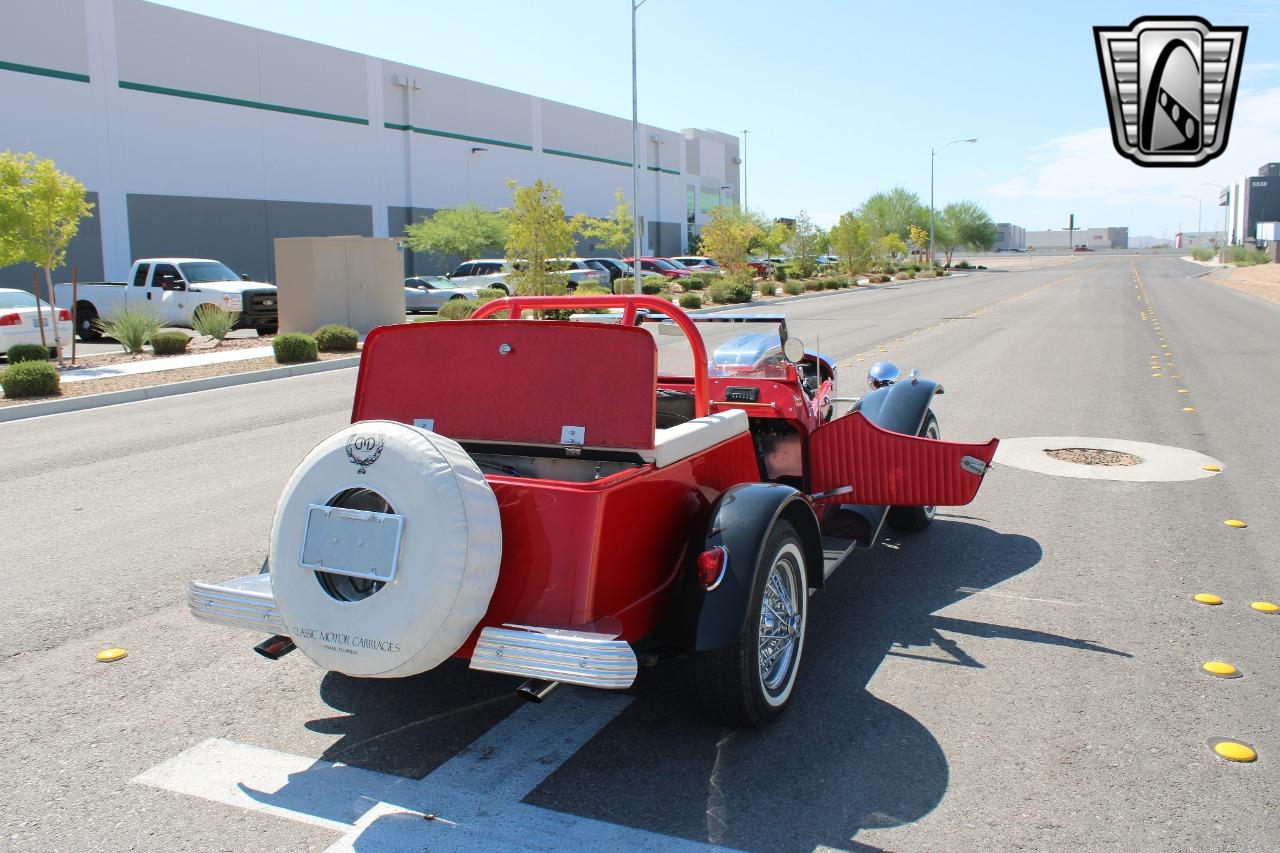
(740, 523)
(902, 406)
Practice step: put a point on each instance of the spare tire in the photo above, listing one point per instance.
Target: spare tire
(445, 568)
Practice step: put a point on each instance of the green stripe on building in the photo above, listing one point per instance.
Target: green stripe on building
(662, 170)
(238, 102)
(43, 72)
(591, 157)
(448, 134)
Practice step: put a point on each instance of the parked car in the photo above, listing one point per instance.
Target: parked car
(1082, 248)
(426, 293)
(174, 288)
(662, 266)
(762, 267)
(494, 272)
(558, 526)
(20, 320)
(616, 267)
(828, 260)
(581, 271)
(698, 263)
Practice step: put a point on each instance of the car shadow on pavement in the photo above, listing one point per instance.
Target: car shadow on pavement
(840, 759)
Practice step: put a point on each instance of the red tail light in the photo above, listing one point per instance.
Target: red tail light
(11, 320)
(64, 314)
(711, 567)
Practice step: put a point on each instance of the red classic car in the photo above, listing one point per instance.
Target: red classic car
(662, 266)
(564, 526)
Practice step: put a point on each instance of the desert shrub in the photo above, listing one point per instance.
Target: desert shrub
(27, 352)
(650, 288)
(832, 284)
(803, 267)
(701, 281)
(691, 301)
(793, 288)
(731, 291)
(1203, 253)
(170, 343)
(900, 276)
(293, 347)
(457, 309)
(780, 273)
(911, 273)
(213, 321)
(133, 328)
(1245, 257)
(29, 379)
(485, 294)
(336, 338)
(963, 265)
(812, 284)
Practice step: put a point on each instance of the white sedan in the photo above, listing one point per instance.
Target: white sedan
(20, 325)
(426, 293)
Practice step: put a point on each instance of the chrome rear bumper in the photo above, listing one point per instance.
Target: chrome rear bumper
(246, 602)
(571, 657)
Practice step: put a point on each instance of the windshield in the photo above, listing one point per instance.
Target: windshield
(207, 271)
(19, 299)
(663, 263)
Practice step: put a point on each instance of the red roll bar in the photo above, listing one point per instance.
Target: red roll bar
(629, 305)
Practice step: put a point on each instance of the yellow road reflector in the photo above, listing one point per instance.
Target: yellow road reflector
(1188, 408)
(1234, 751)
(1213, 468)
(1265, 606)
(1221, 669)
(109, 655)
(1156, 375)
(1234, 522)
(1183, 391)
(1206, 598)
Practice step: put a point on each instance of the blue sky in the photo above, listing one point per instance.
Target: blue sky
(842, 98)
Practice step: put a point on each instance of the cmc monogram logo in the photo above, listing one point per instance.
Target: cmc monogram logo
(1171, 86)
(363, 449)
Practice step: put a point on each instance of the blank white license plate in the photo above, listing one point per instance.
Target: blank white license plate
(352, 542)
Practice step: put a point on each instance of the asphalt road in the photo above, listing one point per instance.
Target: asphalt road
(1023, 675)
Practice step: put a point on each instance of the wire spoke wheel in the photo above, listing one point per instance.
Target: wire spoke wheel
(780, 622)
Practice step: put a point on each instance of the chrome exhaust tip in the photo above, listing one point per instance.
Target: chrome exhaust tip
(535, 690)
(275, 647)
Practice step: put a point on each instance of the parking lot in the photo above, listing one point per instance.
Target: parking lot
(1026, 674)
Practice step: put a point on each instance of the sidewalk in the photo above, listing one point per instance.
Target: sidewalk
(175, 362)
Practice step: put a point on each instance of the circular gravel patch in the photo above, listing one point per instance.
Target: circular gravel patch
(1104, 459)
(1093, 456)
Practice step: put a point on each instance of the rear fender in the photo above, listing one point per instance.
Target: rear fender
(741, 521)
(900, 407)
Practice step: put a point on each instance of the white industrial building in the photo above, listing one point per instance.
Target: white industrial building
(1094, 238)
(199, 137)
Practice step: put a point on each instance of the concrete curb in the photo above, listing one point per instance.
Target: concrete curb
(171, 389)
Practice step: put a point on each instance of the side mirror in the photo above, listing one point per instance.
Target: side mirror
(793, 350)
(244, 276)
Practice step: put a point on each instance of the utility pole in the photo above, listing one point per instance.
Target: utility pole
(1071, 227)
(635, 155)
(744, 170)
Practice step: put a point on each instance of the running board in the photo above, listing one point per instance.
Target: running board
(552, 654)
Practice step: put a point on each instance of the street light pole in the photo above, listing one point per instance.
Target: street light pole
(1226, 216)
(933, 153)
(744, 170)
(1199, 211)
(635, 156)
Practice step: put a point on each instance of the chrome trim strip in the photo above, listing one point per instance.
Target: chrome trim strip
(245, 602)
(589, 660)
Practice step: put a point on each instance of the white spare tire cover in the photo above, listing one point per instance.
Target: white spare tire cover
(450, 549)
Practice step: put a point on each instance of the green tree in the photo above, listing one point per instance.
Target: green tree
(893, 212)
(969, 226)
(851, 243)
(729, 236)
(612, 233)
(773, 236)
(945, 239)
(40, 213)
(804, 245)
(886, 249)
(538, 232)
(467, 230)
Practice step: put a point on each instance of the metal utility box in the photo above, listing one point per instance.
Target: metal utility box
(355, 281)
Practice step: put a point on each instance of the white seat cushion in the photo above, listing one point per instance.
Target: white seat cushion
(680, 442)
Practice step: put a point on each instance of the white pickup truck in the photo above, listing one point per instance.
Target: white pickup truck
(175, 288)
